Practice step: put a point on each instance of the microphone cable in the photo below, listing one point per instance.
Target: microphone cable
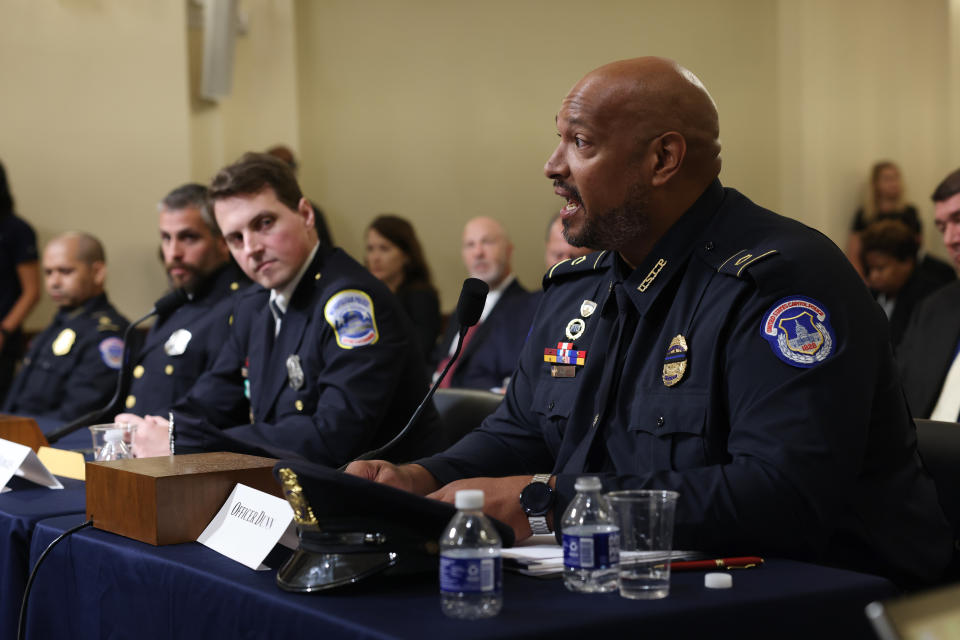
(22, 622)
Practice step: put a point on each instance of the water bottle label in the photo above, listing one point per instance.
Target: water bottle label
(596, 551)
(470, 575)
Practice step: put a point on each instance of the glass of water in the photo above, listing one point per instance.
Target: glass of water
(645, 519)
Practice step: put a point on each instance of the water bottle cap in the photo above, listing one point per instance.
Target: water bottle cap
(469, 499)
(113, 435)
(588, 483)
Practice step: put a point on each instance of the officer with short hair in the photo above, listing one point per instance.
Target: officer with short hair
(320, 361)
(713, 348)
(183, 344)
(71, 367)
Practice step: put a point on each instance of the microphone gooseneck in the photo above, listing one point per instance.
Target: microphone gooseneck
(473, 295)
(165, 305)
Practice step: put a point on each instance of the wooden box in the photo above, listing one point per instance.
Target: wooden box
(22, 431)
(170, 499)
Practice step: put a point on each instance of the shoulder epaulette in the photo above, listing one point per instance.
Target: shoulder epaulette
(573, 266)
(737, 264)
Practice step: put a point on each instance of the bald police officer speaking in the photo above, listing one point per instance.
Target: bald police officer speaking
(182, 345)
(72, 365)
(713, 348)
(319, 362)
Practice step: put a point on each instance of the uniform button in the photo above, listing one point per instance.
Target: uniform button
(550, 406)
(234, 286)
(138, 371)
(596, 419)
(168, 369)
(708, 246)
(230, 320)
(131, 400)
(660, 422)
(299, 405)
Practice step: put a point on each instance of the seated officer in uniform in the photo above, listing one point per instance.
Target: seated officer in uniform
(71, 367)
(180, 346)
(713, 348)
(319, 362)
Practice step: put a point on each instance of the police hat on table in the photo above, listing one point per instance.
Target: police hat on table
(351, 528)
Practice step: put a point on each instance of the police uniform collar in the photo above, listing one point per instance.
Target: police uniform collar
(672, 251)
(84, 308)
(283, 296)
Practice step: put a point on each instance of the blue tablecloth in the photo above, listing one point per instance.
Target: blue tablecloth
(99, 585)
(20, 510)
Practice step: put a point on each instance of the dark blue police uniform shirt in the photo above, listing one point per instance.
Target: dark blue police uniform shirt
(72, 366)
(780, 422)
(342, 377)
(184, 344)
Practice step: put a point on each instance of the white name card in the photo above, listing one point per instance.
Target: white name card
(249, 524)
(20, 460)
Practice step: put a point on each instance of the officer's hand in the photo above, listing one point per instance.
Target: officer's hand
(501, 499)
(409, 477)
(152, 437)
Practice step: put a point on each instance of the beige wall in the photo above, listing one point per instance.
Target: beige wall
(862, 81)
(441, 110)
(94, 126)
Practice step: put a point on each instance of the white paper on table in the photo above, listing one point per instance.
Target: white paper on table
(249, 524)
(20, 460)
(541, 558)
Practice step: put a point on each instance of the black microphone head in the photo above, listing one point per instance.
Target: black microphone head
(472, 297)
(170, 302)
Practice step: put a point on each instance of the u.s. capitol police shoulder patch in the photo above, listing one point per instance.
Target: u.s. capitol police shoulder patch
(111, 352)
(350, 313)
(799, 332)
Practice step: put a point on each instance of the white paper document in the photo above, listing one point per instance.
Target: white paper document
(540, 555)
(249, 524)
(20, 460)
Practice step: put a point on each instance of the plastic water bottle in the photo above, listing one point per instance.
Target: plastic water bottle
(470, 574)
(114, 448)
(591, 540)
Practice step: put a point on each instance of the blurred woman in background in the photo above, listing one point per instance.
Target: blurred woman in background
(394, 256)
(19, 282)
(883, 200)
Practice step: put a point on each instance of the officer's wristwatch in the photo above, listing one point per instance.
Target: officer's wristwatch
(536, 500)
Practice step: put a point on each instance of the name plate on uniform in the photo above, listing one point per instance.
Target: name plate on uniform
(20, 460)
(249, 525)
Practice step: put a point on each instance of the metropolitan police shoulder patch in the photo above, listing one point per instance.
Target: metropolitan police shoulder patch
(350, 313)
(799, 332)
(111, 352)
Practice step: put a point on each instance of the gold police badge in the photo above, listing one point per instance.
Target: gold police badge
(675, 361)
(64, 342)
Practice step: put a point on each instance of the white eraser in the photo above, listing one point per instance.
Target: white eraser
(718, 581)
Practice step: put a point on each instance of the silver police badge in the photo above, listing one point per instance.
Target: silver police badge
(177, 343)
(587, 307)
(294, 372)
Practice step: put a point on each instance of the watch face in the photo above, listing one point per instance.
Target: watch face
(536, 498)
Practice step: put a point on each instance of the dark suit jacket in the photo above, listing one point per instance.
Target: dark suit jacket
(928, 347)
(918, 286)
(492, 353)
(341, 377)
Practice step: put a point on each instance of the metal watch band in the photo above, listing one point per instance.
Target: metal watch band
(538, 524)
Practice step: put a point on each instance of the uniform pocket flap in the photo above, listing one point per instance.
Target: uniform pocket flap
(667, 413)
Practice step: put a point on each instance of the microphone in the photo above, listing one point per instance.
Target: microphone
(473, 295)
(164, 306)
